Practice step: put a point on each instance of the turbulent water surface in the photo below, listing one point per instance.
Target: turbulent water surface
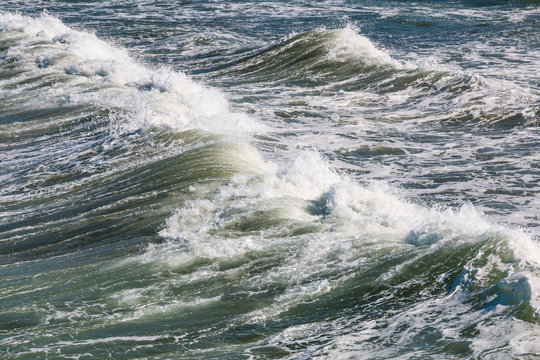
(269, 179)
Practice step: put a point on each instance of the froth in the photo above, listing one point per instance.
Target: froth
(336, 226)
(101, 73)
(307, 192)
(349, 44)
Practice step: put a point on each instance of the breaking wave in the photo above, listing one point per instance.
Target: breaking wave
(104, 154)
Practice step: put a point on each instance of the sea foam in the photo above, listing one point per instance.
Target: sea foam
(104, 74)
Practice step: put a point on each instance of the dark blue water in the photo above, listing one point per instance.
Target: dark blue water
(274, 179)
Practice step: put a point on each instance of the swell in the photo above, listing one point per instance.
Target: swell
(313, 57)
(88, 135)
(51, 62)
(147, 178)
(325, 253)
(346, 65)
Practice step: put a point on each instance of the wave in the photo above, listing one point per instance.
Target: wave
(41, 52)
(323, 238)
(87, 130)
(345, 65)
(314, 55)
(125, 155)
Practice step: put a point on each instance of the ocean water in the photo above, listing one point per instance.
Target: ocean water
(269, 179)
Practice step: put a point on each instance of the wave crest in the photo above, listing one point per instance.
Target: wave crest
(335, 54)
(91, 70)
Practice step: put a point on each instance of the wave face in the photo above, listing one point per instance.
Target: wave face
(269, 181)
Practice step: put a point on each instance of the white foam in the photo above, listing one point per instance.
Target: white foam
(348, 217)
(342, 203)
(150, 97)
(514, 339)
(305, 192)
(348, 44)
